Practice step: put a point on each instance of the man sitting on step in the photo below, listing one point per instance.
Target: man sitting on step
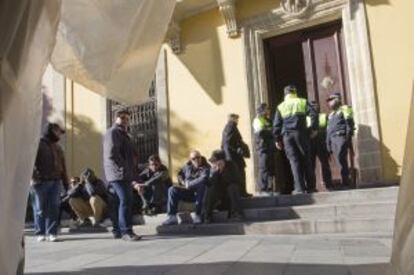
(192, 181)
(223, 186)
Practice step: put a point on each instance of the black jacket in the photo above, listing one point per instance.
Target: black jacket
(233, 145)
(229, 175)
(119, 156)
(194, 176)
(150, 178)
(50, 162)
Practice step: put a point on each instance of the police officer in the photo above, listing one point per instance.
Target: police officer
(265, 147)
(339, 134)
(291, 133)
(318, 146)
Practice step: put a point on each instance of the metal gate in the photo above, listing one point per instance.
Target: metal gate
(143, 124)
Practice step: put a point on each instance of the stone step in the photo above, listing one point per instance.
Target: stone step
(289, 227)
(328, 211)
(348, 196)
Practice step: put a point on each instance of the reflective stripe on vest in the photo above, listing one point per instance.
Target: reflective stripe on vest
(323, 121)
(260, 123)
(292, 105)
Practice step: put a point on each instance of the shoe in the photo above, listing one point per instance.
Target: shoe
(41, 238)
(171, 220)
(131, 237)
(53, 238)
(246, 195)
(196, 218)
(312, 191)
(116, 235)
(298, 192)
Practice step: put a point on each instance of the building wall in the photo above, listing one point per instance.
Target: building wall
(85, 125)
(390, 25)
(207, 80)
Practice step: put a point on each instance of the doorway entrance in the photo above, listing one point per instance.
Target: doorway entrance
(313, 60)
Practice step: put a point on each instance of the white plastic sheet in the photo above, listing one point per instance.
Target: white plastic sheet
(27, 35)
(403, 244)
(111, 47)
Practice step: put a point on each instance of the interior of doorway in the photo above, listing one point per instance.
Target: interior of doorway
(312, 59)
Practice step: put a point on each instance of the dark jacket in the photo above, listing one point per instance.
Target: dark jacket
(96, 188)
(150, 178)
(340, 123)
(229, 175)
(294, 119)
(50, 162)
(263, 134)
(119, 156)
(194, 176)
(233, 145)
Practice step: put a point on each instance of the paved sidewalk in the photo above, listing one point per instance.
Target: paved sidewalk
(234, 255)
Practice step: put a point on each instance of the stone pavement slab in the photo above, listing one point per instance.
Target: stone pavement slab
(99, 254)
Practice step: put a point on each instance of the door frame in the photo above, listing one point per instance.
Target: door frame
(357, 47)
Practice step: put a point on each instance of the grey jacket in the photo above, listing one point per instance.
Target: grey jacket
(120, 158)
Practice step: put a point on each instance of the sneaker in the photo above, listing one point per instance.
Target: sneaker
(171, 220)
(53, 238)
(131, 237)
(196, 218)
(41, 238)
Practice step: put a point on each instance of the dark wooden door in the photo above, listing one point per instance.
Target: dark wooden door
(314, 60)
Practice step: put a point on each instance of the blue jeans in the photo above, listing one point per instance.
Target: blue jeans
(46, 204)
(177, 194)
(121, 207)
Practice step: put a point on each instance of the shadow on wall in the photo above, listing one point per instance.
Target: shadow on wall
(235, 268)
(202, 55)
(367, 146)
(179, 135)
(84, 145)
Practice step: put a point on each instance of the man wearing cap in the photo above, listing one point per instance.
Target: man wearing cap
(119, 157)
(223, 185)
(318, 146)
(339, 134)
(262, 127)
(292, 135)
(49, 175)
(236, 149)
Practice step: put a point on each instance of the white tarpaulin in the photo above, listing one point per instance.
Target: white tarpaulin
(111, 47)
(403, 245)
(27, 34)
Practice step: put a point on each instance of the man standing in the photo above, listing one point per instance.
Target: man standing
(152, 186)
(223, 185)
(291, 134)
(262, 127)
(339, 134)
(119, 164)
(48, 176)
(192, 180)
(318, 146)
(236, 149)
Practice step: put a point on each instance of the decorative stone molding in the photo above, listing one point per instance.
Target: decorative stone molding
(358, 52)
(174, 37)
(228, 10)
(295, 8)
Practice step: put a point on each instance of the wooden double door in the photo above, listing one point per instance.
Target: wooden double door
(314, 61)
